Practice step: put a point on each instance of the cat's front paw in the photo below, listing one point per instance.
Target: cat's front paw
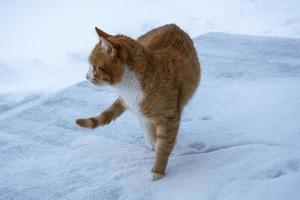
(149, 145)
(156, 176)
(87, 123)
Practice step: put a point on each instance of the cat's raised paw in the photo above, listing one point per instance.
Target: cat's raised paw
(156, 176)
(87, 123)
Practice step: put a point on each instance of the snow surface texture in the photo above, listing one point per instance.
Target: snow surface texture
(239, 136)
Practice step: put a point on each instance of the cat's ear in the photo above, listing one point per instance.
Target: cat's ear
(102, 33)
(105, 43)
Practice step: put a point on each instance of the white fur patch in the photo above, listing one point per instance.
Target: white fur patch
(90, 73)
(129, 88)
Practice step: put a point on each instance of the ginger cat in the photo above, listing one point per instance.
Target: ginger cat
(155, 76)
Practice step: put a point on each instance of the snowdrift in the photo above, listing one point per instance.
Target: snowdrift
(239, 137)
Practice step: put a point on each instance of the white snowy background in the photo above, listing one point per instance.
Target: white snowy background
(239, 137)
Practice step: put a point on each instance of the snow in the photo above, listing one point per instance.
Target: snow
(239, 136)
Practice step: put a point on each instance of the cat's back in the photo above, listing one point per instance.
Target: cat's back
(169, 36)
(175, 52)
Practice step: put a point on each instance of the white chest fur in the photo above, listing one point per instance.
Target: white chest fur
(129, 88)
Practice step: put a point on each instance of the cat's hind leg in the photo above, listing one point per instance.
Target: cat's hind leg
(165, 141)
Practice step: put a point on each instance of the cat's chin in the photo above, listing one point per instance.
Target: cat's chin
(99, 84)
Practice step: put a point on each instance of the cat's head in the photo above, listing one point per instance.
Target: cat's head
(105, 66)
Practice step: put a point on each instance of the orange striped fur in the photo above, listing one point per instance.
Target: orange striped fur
(155, 77)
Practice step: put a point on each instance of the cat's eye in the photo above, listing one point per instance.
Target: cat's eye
(103, 70)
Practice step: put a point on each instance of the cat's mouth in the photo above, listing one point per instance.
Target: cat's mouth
(92, 80)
